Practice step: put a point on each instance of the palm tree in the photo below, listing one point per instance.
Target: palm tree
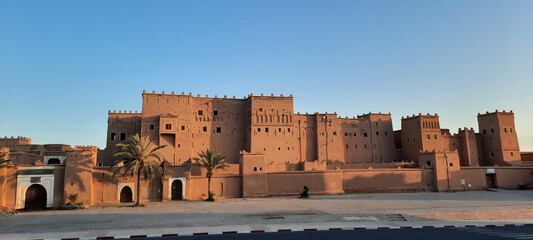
(138, 156)
(211, 160)
(3, 162)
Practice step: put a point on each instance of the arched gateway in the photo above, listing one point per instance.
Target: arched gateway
(177, 190)
(35, 198)
(126, 195)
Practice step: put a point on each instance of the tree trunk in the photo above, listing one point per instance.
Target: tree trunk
(209, 187)
(138, 188)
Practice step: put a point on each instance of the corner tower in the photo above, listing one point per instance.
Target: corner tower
(498, 134)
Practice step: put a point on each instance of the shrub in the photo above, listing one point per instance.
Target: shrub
(72, 199)
(305, 193)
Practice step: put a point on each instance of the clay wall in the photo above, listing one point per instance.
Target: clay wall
(526, 156)
(292, 183)
(411, 138)
(8, 185)
(387, 180)
(13, 142)
(222, 186)
(506, 177)
(79, 172)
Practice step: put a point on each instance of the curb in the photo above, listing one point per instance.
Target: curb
(293, 230)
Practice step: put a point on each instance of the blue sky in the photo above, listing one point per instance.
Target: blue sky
(63, 64)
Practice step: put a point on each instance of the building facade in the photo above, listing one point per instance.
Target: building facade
(271, 150)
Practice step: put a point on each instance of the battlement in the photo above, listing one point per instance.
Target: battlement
(120, 112)
(371, 113)
(420, 115)
(495, 113)
(173, 93)
(18, 137)
(85, 148)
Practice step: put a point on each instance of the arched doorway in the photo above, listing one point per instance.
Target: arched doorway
(177, 190)
(126, 195)
(35, 198)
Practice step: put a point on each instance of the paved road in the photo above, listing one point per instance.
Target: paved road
(334, 211)
(396, 234)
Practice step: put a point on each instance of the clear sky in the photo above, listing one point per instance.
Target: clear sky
(64, 64)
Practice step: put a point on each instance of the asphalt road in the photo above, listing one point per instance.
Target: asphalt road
(485, 233)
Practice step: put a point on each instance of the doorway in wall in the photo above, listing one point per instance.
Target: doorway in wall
(126, 195)
(35, 198)
(491, 180)
(177, 190)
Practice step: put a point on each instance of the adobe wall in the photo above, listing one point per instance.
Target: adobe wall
(506, 177)
(500, 141)
(13, 142)
(8, 185)
(222, 186)
(292, 183)
(527, 156)
(78, 173)
(387, 180)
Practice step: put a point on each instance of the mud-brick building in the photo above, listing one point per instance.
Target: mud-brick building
(271, 150)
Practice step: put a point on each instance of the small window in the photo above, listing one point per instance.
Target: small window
(345, 134)
(260, 109)
(365, 145)
(255, 169)
(491, 154)
(414, 140)
(215, 112)
(279, 148)
(168, 126)
(179, 145)
(258, 129)
(512, 154)
(365, 135)
(279, 130)
(100, 164)
(219, 129)
(152, 126)
(377, 133)
(505, 130)
(492, 130)
(385, 133)
(511, 130)
(346, 146)
(183, 128)
(288, 130)
(484, 131)
(122, 136)
(435, 136)
(200, 113)
(266, 129)
(451, 164)
(205, 129)
(113, 136)
(355, 145)
(428, 136)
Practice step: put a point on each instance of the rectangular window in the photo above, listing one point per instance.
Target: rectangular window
(377, 133)
(505, 130)
(258, 129)
(168, 126)
(288, 130)
(215, 112)
(200, 112)
(365, 135)
(345, 134)
(385, 133)
(219, 129)
(122, 136)
(484, 131)
(279, 130)
(266, 129)
(491, 154)
(428, 136)
(492, 130)
(435, 136)
(205, 129)
(152, 126)
(113, 136)
(183, 128)
(512, 154)
(100, 164)
(511, 130)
